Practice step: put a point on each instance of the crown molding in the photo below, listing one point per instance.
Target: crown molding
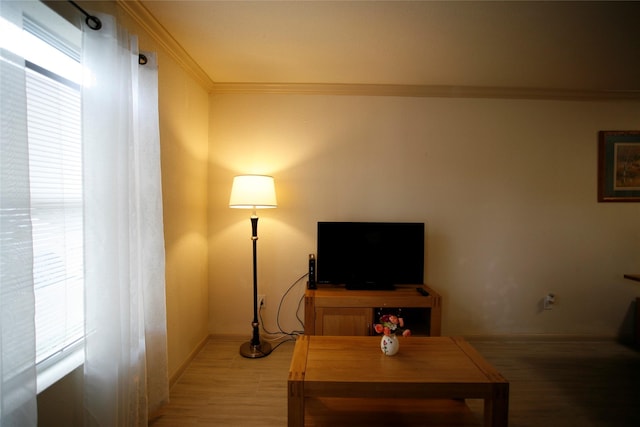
(136, 10)
(421, 91)
(150, 24)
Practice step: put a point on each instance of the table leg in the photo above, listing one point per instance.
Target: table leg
(295, 404)
(295, 383)
(496, 407)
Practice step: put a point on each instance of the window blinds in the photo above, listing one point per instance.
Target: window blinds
(55, 172)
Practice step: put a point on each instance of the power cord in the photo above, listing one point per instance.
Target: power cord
(281, 333)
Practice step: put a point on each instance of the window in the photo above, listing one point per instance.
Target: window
(53, 96)
(55, 172)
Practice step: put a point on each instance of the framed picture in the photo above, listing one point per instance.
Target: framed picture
(619, 166)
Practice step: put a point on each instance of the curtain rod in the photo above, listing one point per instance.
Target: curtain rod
(95, 24)
(92, 21)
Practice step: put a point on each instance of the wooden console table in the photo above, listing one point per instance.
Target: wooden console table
(335, 379)
(338, 311)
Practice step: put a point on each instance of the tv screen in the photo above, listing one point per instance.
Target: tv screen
(370, 255)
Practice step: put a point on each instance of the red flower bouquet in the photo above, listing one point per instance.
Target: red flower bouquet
(391, 324)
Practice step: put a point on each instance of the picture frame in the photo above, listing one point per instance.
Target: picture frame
(619, 166)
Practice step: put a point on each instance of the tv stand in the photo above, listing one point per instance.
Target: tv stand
(334, 310)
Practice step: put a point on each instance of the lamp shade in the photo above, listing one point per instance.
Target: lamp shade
(253, 192)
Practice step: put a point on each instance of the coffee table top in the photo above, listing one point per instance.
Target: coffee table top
(439, 365)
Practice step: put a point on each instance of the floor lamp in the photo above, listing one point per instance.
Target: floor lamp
(254, 192)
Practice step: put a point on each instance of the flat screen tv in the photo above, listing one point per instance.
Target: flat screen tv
(370, 255)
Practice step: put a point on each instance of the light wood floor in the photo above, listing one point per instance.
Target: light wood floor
(579, 383)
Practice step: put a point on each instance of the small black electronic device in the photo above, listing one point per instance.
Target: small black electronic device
(422, 291)
(312, 272)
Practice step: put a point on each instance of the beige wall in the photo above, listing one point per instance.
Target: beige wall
(183, 134)
(507, 189)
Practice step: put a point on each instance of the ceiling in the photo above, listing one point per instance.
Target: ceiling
(582, 46)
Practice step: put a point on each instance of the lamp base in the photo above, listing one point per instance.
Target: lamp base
(255, 351)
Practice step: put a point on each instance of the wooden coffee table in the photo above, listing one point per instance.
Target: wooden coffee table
(354, 370)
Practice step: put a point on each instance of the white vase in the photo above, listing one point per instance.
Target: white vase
(389, 345)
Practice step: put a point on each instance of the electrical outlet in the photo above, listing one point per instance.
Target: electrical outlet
(262, 301)
(549, 301)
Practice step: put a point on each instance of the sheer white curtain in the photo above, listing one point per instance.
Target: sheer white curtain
(125, 355)
(17, 298)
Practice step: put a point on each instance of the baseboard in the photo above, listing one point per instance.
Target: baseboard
(176, 375)
(541, 337)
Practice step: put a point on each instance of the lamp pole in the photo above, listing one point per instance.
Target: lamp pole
(255, 348)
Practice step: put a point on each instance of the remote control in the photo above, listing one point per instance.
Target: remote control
(423, 292)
